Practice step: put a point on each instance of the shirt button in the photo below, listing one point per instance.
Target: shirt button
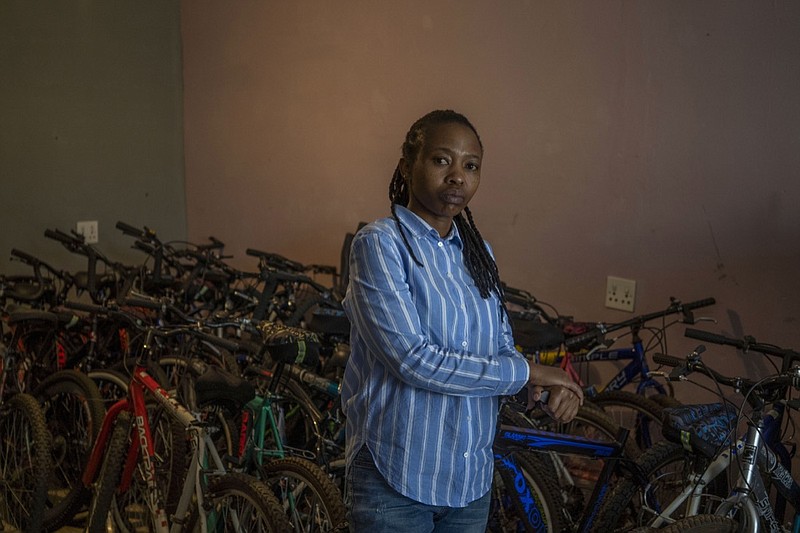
(466, 454)
(464, 344)
(440, 244)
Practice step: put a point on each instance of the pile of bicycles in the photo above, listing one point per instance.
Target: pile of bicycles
(183, 394)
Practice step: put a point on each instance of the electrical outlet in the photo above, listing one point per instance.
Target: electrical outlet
(620, 293)
(88, 228)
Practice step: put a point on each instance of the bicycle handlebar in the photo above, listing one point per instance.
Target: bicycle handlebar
(746, 344)
(693, 363)
(40, 283)
(674, 307)
(25, 258)
(225, 344)
(127, 229)
(276, 260)
(63, 238)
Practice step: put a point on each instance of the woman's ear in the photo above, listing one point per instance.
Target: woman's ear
(405, 171)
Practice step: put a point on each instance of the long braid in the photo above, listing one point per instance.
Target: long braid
(398, 194)
(479, 262)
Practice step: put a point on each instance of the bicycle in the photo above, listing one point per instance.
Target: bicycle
(252, 441)
(640, 410)
(24, 462)
(535, 503)
(184, 494)
(702, 487)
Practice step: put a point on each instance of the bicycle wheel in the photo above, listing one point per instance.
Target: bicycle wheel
(73, 412)
(218, 417)
(666, 469)
(110, 473)
(702, 523)
(580, 474)
(508, 507)
(633, 411)
(309, 498)
(112, 384)
(238, 502)
(24, 463)
(129, 510)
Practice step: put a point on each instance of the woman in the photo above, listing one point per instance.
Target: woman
(431, 346)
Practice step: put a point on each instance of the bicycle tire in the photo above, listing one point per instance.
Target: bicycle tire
(24, 463)
(112, 384)
(74, 412)
(638, 413)
(665, 400)
(507, 512)
(317, 505)
(701, 523)
(110, 473)
(248, 498)
(665, 467)
(129, 510)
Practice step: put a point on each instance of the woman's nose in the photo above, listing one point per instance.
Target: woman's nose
(456, 176)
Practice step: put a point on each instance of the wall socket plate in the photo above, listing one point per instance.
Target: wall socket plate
(88, 228)
(620, 293)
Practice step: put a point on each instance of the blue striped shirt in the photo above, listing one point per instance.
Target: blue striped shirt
(428, 359)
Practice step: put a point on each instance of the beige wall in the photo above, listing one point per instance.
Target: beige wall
(658, 141)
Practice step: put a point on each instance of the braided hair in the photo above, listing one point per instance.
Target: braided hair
(477, 258)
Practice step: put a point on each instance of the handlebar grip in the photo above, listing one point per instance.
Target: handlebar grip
(667, 360)
(225, 344)
(89, 308)
(127, 229)
(140, 302)
(59, 236)
(583, 338)
(709, 337)
(255, 253)
(139, 245)
(27, 258)
(699, 303)
(276, 260)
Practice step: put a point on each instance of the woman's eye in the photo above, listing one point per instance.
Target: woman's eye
(441, 160)
(473, 166)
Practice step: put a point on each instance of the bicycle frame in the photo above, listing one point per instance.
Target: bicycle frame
(512, 438)
(760, 451)
(143, 447)
(637, 368)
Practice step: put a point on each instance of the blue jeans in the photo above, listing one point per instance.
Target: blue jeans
(373, 506)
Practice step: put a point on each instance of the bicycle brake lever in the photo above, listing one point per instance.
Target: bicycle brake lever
(544, 397)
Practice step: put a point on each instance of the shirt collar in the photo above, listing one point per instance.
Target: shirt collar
(419, 228)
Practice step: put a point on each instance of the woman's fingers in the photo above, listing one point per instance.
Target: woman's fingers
(563, 404)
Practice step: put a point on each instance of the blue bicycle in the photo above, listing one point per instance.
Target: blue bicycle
(526, 496)
(558, 340)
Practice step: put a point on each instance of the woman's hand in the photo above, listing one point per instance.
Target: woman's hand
(566, 396)
(562, 404)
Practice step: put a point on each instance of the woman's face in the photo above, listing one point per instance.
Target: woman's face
(445, 175)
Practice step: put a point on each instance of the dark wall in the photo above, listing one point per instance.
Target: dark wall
(91, 123)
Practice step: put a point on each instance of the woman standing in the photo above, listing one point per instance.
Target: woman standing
(431, 347)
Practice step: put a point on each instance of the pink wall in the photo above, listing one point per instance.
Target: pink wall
(657, 141)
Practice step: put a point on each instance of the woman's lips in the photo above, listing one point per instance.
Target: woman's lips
(452, 197)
